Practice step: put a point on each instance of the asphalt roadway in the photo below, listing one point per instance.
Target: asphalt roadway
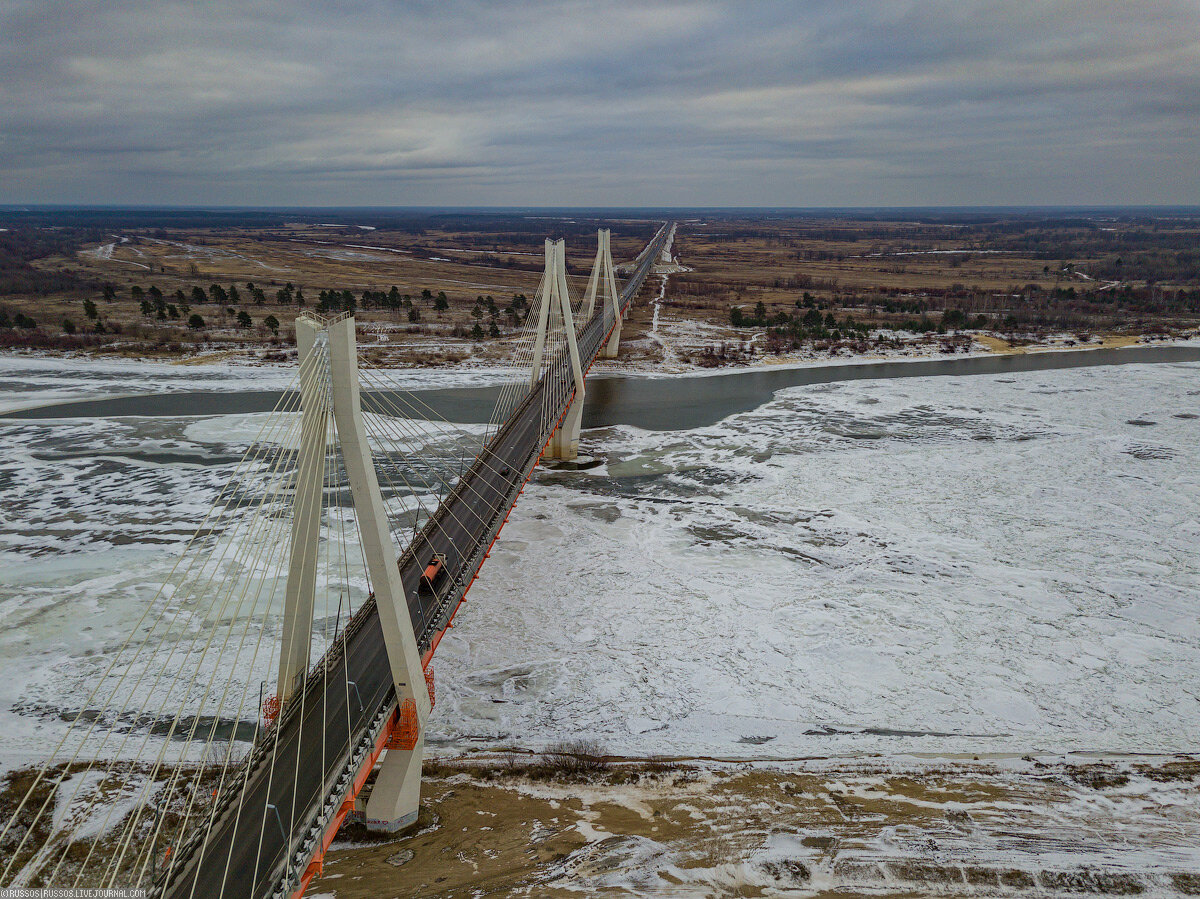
(271, 806)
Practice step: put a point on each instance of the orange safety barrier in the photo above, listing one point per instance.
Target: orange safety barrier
(348, 805)
(407, 729)
(429, 686)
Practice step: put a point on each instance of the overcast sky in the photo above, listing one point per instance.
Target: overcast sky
(624, 102)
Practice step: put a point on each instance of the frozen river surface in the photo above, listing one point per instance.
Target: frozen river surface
(983, 564)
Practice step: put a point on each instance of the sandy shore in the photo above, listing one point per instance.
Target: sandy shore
(816, 828)
(999, 345)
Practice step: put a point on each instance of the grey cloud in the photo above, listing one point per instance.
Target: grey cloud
(693, 102)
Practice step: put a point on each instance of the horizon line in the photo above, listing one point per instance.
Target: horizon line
(30, 207)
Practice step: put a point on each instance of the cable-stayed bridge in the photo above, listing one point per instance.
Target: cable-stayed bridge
(228, 739)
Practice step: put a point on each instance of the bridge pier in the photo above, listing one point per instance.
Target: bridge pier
(564, 442)
(556, 304)
(395, 799)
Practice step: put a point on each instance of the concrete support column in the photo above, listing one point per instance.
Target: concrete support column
(614, 299)
(394, 799)
(564, 443)
(545, 292)
(306, 508)
(589, 298)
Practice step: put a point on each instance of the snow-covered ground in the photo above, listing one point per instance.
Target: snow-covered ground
(986, 564)
(981, 564)
(27, 381)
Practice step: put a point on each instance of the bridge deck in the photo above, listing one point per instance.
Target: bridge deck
(307, 761)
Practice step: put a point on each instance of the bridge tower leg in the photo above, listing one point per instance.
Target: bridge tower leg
(306, 511)
(394, 800)
(589, 298)
(564, 442)
(609, 285)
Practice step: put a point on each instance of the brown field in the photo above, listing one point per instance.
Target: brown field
(851, 264)
(519, 824)
(819, 829)
(1014, 281)
(313, 260)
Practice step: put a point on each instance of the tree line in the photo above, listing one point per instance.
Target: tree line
(489, 315)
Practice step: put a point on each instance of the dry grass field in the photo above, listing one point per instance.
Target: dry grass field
(441, 289)
(857, 264)
(307, 260)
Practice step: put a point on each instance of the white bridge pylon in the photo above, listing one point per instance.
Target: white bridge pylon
(554, 311)
(394, 801)
(602, 272)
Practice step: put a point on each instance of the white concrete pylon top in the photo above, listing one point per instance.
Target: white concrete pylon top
(603, 279)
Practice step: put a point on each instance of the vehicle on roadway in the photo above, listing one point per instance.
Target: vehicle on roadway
(434, 575)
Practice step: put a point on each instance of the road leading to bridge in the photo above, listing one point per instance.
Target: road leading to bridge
(270, 815)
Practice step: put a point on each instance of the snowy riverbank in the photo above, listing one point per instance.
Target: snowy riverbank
(31, 379)
(989, 564)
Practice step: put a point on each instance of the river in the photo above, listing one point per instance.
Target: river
(641, 401)
(974, 555)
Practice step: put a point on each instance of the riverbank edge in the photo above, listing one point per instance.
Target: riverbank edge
(983, 346)
(506, 824)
